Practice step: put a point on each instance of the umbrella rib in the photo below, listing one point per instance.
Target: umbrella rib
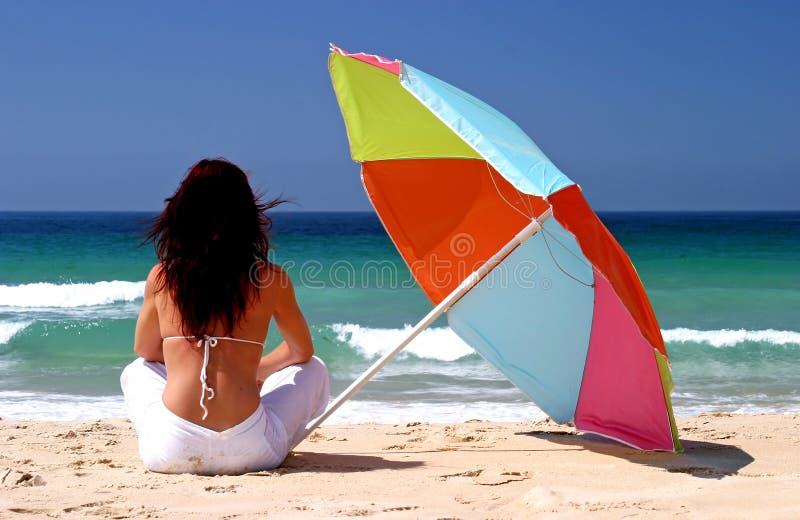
(555, 261)
(546, 231)
(570, 251)
(525, 203)
(497, 189)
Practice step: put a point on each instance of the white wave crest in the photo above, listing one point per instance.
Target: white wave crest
(20, 405)
(69, 294)
(59, 407)
(443, 344)
(729, 337)
(438, 343)
(359, 412)
(8, 329)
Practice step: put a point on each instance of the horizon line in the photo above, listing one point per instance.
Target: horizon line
(276, 212)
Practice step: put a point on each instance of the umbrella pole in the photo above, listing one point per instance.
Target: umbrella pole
(443, 306)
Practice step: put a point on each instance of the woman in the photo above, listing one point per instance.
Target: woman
(193, 394)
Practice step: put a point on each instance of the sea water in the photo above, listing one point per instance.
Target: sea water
(725, 288)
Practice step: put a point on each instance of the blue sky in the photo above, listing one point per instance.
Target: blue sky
(647, 105)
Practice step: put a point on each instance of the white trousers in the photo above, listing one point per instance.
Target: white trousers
(290, 399)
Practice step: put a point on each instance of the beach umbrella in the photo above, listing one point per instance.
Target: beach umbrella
(505, 243)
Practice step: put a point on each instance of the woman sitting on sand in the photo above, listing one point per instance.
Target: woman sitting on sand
(193, 394)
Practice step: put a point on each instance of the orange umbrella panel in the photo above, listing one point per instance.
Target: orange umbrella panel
(446, 216)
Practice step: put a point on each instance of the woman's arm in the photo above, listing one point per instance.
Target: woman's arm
(297, 346)
(147, 340)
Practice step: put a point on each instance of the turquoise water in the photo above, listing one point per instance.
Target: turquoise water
(725, 288)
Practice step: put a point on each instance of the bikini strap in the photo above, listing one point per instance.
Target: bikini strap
(238, 339)
(216, 337)
(207, 343)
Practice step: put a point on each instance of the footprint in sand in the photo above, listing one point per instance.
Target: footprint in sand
(221, 489)
(77, 464)
(451, 434)
(22, 479)
(354, 512)
(465, 438)
(409, 443)
(399, 508)
(410, 429)
(484, 477)
(316, 436)
(108, 462)
(461, 475)
(81, 507)
(396, 447)
(541, 498)
(498, 478)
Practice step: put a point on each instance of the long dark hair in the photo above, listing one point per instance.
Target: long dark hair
(210, 234)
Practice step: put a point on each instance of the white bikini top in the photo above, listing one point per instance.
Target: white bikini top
(207, 343)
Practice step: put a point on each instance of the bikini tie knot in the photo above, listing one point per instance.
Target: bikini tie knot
(206, 343)
(211, 340)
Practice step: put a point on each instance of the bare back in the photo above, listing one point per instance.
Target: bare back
(233, 367)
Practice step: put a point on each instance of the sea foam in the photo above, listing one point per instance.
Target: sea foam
(69, 294)
(8, 329)
(16, 405)
(59, 407)
(730, 338)
(66, 407)
(441, 343)
(438, 343)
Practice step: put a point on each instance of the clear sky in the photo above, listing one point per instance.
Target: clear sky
(647, 105)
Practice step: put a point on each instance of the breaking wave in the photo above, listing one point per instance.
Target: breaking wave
(9, 329)
(43, 295)
(442, 344)
(730, 337)
(438, 343)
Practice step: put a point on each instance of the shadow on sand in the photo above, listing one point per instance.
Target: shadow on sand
(700, 458)
(336, 463)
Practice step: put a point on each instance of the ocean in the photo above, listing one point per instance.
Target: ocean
(725, 288)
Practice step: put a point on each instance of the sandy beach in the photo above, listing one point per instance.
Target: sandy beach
(734, 466)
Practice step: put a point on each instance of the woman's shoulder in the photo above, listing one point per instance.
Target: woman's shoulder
(155, 271)
(154, 274)
(154, 281)
(270, 276)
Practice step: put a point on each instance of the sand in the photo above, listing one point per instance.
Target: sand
(734, 466)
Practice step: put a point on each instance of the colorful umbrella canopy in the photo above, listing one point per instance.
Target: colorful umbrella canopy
(564, 316)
